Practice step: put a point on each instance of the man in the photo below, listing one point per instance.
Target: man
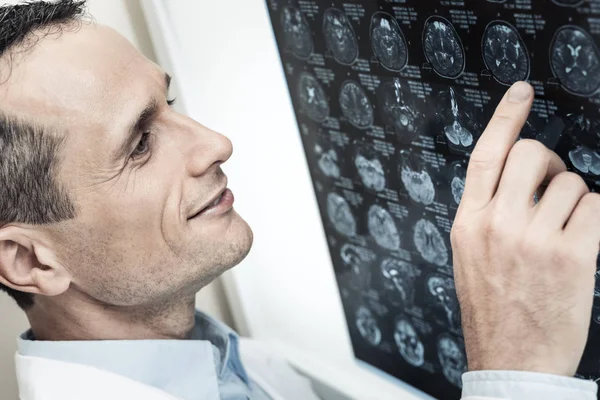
(115, 213)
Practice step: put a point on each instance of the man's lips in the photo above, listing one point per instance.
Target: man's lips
(220, 204)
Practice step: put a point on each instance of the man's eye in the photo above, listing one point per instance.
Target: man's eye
(171, 102)
(143, 146)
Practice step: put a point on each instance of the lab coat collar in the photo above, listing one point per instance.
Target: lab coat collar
(212, 353)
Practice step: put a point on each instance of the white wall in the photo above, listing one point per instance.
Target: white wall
(126, 17)
(12, 322)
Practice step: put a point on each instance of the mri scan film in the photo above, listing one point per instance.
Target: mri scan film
(383, 228)
(409, 345)
(339, 36)
(399, 279)
(443, 48)
(340, 215)
(419, 185)
(505, 53)
(430, 243)
(576, 61)
(398, 112)
(370, 169)
(391, 98)
(313, 100)
(298, 36)
(367, 326)
(355, 105)
(452, 360)
(388, 42)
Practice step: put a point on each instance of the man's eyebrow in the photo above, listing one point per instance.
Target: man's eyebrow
(168, 79)
(143, 119)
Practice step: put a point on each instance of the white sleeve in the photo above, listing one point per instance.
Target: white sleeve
(515, 385)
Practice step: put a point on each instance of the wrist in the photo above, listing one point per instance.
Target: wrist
(524, 362)
(503, 351)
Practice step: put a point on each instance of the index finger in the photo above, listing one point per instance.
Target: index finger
(490, 153)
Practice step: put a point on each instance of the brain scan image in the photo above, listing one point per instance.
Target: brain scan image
(582, 130)
(340, 215)
(580, 127)
(371, 172)
(409, 345)
(505, 54)
(443, 290)
(457, 184)
(296, 31)
(313, 100)
(398, 113)
(585, 160)
(456, 133)
(461, 121)
(429, 242)
(458, 187)
(399, 278)
(339, 37)
(328, 162)
(568, 3)
(356, 105)
(388, 42)
(419, 185)
(350, 255)
(452, 360)
(383, 228)
(357, 261)
(443, 48)
(367, 326)
(575, 60)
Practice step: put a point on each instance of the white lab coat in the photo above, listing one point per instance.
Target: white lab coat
(46, 379)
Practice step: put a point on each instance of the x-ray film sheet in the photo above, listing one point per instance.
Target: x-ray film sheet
(390, 97)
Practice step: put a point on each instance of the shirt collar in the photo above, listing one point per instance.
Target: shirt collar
(147, 358)
(225, 340)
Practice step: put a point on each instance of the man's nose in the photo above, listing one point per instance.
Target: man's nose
(206, 149)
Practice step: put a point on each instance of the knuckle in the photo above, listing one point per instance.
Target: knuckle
(590, 202)
(498, 227)
(483, 160)
(570, 180)
(531, 149)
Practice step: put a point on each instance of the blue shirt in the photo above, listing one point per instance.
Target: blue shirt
(195, 369)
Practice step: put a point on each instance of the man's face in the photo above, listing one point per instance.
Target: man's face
(134, 241)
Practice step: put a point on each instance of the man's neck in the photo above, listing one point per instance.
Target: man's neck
(74, 317)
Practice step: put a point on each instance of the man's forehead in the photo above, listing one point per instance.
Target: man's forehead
(84, 78)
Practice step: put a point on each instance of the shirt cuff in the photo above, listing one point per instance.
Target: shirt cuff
(517, 385)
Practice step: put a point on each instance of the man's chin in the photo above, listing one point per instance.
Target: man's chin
(230, 248)
(241, 242)
(230, 255)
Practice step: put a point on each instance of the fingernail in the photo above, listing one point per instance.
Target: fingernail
(519, 92)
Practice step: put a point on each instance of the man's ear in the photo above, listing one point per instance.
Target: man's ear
(29, 265)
